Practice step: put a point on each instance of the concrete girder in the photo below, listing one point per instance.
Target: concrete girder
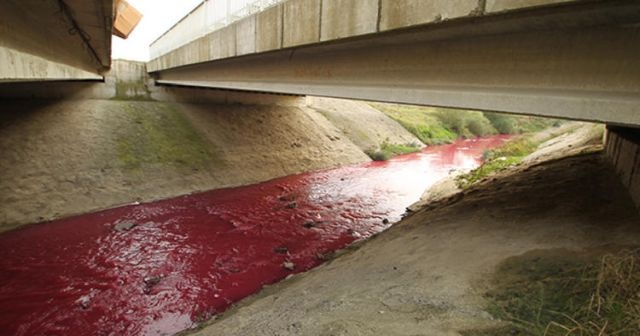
(576, 62)
(61, 34)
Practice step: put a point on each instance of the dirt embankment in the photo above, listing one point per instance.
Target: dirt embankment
(70, 157)
(553, 143)
(428, 275)
(364, 125)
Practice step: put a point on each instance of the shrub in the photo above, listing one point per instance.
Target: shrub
(478, 125)
(388, 150)
(503, 123)
(497, 160)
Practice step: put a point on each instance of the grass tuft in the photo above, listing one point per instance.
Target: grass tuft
(498, 159)
(388, 150)
(569, 295)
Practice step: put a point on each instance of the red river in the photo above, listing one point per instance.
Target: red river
(163, 267)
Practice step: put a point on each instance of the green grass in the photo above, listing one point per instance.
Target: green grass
(388, 150)
(159, 134)
(435, 126)
(499, 159)
(136, 90)
(420, 121)
(564, 293)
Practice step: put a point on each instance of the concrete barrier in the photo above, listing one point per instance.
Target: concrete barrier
(344, 18)
(403, 13)
(301, 22)
(297, 23)
(269, 29)
(246, 36)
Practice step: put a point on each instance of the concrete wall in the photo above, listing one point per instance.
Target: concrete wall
(623, 149)
(302, 22)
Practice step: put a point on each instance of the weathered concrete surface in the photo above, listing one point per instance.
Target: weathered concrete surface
(345, 18)
(76, 34)
(128, 80)
(405, 13)
(623, 150)
(19, 66)
(297, 23)
(223, 42)
(269, 29)
(591, 74)
(502, 5)
(246, 36)
(301, 22)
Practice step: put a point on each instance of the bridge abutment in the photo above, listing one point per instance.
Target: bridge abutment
(623, 150)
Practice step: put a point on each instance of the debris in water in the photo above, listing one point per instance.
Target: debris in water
(150, 282)
(84, 302)
(292, 205)
(124, 226)
(281, 250)
(289, 265)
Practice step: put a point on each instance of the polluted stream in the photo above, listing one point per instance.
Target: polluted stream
(164, 267)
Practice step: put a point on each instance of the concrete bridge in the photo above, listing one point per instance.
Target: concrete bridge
(569, 59)
(55, 40)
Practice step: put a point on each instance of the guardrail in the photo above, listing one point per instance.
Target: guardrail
(209, 16)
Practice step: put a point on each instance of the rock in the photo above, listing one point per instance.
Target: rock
(310, 225)
(152, 280)
(124, 226)
(286, 198)
(281, 250)
(84, 302)
(288, 265)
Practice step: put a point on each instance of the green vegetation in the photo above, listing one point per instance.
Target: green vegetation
(160, 135)
(434, 126)
(562, 293)
(136, 90)
(419, 121)
(499, 159)
(388, 150)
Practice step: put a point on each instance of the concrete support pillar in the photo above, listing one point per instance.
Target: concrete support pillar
(623, 149)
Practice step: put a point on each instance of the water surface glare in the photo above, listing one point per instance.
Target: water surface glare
(163, 267)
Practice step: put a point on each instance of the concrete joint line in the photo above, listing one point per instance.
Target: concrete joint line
(320, 21)
(282, 11)
(379, 18)
(482, 8)
(636, 157)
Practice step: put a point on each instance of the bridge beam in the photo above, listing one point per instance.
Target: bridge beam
(54, 40)
(578, 62)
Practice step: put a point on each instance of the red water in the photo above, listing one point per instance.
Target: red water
(189, 258)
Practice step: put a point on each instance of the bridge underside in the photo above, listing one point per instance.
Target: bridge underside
(578, 62)
(55, 40)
